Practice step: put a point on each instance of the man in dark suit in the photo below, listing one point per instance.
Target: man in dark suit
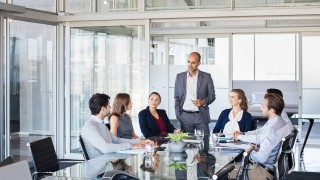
(193, 93)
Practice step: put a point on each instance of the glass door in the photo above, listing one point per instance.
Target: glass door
(104, 59)
(168, 57)
(30, 85)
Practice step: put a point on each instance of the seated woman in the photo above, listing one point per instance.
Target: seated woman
(237, 118)
(153, 121)
(120, 121)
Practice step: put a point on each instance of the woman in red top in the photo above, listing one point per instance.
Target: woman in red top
(153, 121)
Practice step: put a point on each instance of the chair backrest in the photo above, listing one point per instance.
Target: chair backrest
(223, 172)
(44, 155)
(243, 169)
(281, 165)
(254, 124)
(291, 160)
(83, 149)
(18, 170)
(7, 161)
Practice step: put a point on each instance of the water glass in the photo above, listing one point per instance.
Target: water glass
(215, 139)
(149, 148)
(198, 133)
(148, 161)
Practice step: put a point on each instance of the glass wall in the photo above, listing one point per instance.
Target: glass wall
(44, 5)
(310, 74)
(214, 60)
(32, 57)
(87, 6)
(265, 57)
(105, 60)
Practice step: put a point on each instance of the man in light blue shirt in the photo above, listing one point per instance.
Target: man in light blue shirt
(96, 136)
(268, 138)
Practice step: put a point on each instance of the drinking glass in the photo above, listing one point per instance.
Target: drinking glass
(148, 161)
(150, 148)
(215, 139)
(198, 133)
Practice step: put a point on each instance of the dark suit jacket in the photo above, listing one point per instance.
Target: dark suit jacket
(245, 124)
(205, 91)
(148, 124)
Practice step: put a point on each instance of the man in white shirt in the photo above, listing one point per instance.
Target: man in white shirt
(193, 93)
(96, 136)
(268, 138)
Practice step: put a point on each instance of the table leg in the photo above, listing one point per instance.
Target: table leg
(307, 135)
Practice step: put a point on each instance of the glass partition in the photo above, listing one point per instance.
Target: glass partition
(32, 55)
(44, 5)
(106, 60)
(93, 6)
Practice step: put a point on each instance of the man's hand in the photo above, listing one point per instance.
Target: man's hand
(254, 146)
(199, 102)
(177, 131)
(235, 135)
(146, 141)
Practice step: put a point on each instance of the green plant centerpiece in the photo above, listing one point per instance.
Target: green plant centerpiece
(176, 144)
(178, 166)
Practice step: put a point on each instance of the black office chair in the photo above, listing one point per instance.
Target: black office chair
(7, 161)
(223, 173)
(254, 124)
(118, 175)
(45, 158)
(244, 165)
(281, 166)
(83, 149)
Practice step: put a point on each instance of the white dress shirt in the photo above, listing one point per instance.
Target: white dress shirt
(233, 125)
(99, 140)
(191, 93)
(269, 138)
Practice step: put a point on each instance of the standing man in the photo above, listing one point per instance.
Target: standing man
(193, 93)
(96, 136)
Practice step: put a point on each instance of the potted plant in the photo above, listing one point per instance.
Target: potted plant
(176, 144)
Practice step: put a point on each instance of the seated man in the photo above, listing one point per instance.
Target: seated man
(96, 136)
(268, 138)
(284, 114)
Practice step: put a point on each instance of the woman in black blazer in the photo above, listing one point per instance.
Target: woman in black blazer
(153, 121)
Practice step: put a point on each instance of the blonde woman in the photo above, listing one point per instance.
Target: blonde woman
(237, 118)
(120, 121)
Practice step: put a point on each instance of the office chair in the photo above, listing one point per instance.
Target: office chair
(7, 161)
(223, 173)
(45, 158)
(244, 166)
(282, 165)
(118, 175)
(83, 149)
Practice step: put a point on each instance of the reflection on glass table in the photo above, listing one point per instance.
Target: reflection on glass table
(159, 165)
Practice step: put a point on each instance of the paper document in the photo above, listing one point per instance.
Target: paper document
(234, 145)
(192, 140)
(133, 151)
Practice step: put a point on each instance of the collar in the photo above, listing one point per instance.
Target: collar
(195, 76)
(95, 118)
(273, 121)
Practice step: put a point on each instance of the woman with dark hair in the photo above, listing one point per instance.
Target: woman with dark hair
(236, 118)
(153, 121)
(120, 121)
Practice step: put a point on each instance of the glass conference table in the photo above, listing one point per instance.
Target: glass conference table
(311, 118)
(163, 164)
